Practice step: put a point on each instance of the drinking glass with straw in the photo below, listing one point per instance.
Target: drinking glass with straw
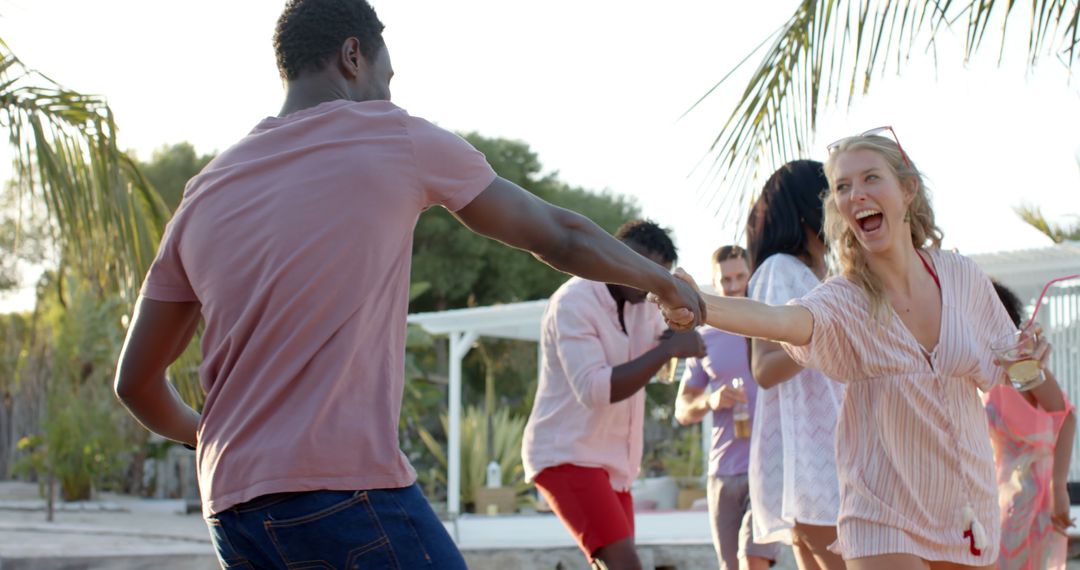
(1016, 351)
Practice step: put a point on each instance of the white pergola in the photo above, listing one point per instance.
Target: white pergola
(1025, 271)
(516, 321)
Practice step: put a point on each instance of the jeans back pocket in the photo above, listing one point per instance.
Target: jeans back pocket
(327, 531)
(228, 556)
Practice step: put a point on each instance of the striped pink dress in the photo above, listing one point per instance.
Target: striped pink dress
(912, 443)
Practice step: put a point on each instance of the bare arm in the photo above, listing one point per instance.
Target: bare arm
(790, 324)
(629, 377)
(572, 243)
(770, 364)
(1049, 396)
(1063, 450)
(158, 334)
(694, 403)
(691, 405)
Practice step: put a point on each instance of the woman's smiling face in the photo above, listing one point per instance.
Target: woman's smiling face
(871, 199)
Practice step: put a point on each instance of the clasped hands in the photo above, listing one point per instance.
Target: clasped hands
(683, 309)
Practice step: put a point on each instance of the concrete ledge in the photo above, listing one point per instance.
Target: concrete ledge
(86, 530)
(159, 562)
(668, 557)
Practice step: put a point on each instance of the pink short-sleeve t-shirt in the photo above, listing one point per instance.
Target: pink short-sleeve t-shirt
(297, 243)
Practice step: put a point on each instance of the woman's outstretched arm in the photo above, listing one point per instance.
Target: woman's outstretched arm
(1051, 398)
(789, 324)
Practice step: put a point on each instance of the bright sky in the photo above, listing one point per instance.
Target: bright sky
(597, 89)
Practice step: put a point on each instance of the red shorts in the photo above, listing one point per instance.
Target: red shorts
(594, 513)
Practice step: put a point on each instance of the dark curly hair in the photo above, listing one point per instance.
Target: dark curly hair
(1012, 303)
(649, 236)
(310, 32)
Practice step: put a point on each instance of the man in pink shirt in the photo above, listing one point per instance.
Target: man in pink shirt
(582, 446)
(294, 247)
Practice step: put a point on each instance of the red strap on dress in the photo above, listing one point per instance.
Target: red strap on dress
(929, 270)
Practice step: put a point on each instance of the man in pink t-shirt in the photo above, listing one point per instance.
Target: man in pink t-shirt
(294, 247)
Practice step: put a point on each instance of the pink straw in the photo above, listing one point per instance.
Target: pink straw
(1043, 294)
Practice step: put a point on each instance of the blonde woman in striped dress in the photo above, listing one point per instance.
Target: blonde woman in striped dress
(908, 328)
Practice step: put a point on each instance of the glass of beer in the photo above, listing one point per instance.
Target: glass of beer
(1016, 352)
(741, 412)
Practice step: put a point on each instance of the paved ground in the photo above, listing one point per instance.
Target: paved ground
(122, 533)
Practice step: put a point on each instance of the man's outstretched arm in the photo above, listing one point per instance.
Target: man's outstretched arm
(572, 243)
(158, 333)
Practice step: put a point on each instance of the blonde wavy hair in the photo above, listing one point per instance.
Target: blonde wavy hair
(849, 254)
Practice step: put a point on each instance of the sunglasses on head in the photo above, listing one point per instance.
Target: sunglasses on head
(874, 132)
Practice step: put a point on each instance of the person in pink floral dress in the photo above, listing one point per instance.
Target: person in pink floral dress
(1032, 434)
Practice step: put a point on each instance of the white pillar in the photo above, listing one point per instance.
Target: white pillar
(460, 343)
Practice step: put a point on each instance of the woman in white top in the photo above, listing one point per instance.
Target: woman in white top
(794, 493)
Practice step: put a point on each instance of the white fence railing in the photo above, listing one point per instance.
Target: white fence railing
(1060, 319)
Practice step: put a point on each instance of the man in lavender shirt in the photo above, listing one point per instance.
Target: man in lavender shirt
(293, 246)
(726, 360)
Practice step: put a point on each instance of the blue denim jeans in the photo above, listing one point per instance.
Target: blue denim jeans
(381, 528)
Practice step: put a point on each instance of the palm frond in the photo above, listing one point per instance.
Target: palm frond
(829, 52)
(106, 216)
(1033, 216)
(1072, 29)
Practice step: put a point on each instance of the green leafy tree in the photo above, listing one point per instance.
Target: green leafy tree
(170, 167)
(464, 269)
(24, 236)
(84, 436)
(16, 330)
